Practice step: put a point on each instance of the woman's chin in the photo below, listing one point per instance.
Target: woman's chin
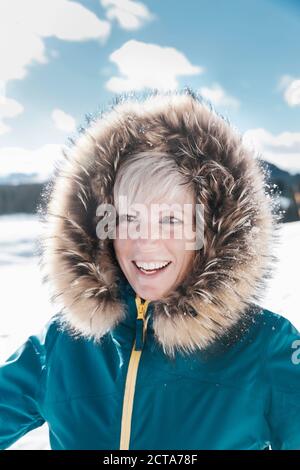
(151, 293)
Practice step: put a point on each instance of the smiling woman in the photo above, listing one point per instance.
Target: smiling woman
(155, 346)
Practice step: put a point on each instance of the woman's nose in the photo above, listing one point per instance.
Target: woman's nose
(148, 232)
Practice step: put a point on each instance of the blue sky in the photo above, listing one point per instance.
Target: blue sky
(61, 59)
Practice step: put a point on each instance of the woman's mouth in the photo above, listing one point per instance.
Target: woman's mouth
(151, 270)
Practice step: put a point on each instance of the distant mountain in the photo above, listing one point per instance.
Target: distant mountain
(288, 188)
(283, 175)
(16, 198)
(20, 178)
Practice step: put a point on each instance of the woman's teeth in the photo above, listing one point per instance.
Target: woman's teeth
(151, 267)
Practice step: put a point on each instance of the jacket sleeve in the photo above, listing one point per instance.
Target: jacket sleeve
(283, 371)
(20, 381)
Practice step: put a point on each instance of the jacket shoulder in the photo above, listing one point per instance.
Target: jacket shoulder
(270, 323)
(282, 373)
(282, 349)
(44, 341)
(278, 324)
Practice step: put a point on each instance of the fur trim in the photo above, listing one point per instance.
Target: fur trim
(229, 271)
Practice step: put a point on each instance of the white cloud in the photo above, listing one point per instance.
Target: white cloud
(292, 93)
(148, 65)
(39, 162)
(130, 15)
(282, 149)
(218, 97)
(25, 24)
(284, 82)
(9, 108)
(290, 86)
(63, 121)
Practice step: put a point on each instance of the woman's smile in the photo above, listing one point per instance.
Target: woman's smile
(153, 269)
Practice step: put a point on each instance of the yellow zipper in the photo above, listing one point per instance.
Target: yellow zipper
(134, 360)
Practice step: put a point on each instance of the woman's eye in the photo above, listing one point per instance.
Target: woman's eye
(170, 219)
(126, 218)
(130, 218)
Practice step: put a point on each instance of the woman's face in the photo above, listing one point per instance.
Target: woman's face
(159, 235)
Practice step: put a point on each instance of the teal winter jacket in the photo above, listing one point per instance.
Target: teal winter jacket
(242, 395)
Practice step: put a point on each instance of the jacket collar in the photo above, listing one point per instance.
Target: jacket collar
(128, 296)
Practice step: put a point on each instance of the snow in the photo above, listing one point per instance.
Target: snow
(25, 304)
(282, 295)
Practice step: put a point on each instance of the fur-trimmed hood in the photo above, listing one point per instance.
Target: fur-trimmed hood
(230, 269)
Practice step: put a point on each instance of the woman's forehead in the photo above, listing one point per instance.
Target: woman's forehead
(159, 207)
(179, 198)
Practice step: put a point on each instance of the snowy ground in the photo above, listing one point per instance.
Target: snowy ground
(25, 307)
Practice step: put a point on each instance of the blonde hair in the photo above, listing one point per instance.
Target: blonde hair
(147, 176)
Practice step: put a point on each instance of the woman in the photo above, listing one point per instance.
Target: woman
(160, 342)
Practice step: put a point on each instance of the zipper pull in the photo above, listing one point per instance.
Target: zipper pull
(141, 324)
